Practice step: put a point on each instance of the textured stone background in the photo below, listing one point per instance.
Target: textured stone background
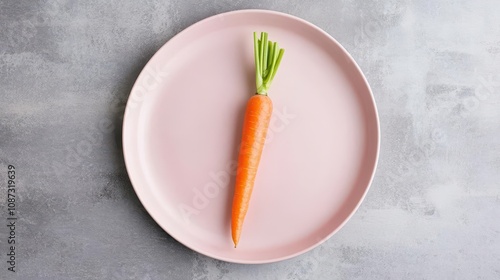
(433, 212)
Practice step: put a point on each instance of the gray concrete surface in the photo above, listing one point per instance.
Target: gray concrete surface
(433, 212)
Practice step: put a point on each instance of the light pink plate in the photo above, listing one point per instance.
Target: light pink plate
(182, 129)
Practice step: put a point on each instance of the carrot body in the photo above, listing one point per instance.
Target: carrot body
(257, 116)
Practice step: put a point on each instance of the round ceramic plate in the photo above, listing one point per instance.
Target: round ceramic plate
(182, 129)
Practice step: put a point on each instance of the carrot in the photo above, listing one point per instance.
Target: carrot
(257, 116)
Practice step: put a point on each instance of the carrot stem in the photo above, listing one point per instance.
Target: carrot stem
(261, 51)
(258, 77)
(276, 65)
(265, 51)
(270, 56)
(267, 60)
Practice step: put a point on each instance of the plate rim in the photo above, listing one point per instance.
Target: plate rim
(351, 59)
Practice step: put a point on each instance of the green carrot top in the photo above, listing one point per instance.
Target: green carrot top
(267, 60)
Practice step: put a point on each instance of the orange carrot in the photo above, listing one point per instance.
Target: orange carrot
(257, 116)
